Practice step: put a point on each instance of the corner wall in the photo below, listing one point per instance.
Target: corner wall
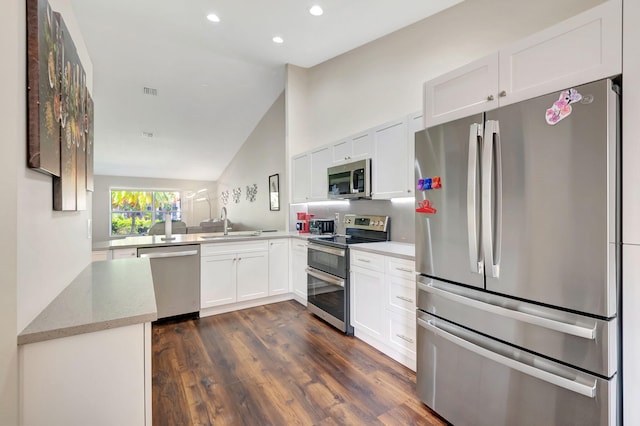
(53, 247)
(262, 155)
(193, 212)
(13, 136)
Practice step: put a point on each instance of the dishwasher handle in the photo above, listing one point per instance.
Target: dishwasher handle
(169, 254)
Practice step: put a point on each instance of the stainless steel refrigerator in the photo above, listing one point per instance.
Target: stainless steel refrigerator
(518, 255)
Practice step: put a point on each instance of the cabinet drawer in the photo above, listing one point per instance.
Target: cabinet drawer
(374, 262)
(402, 331)
(401, 268)
(125, 253)
(243, 247)
(401, 295)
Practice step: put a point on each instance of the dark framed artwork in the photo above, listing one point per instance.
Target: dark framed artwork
(274, 192)
(89, 131)
(43, 87)
(72, 125)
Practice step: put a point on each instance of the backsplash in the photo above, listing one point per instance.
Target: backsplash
(401, 213)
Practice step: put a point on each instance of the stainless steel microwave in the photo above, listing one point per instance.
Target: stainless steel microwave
(351, 180)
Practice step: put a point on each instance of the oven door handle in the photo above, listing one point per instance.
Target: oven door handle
(325, 277)
(329, 250)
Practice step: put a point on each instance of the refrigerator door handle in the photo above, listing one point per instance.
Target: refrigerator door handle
(562, 327)
(476, 263)
(492, 200)
(571, 385)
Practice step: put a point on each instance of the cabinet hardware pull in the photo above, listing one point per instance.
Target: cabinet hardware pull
(406, 299)
(404, 269)
(405, 338)
(490, 98)
(364, 260)
(502, 94)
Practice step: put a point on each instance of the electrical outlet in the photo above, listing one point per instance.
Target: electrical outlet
(89, 226)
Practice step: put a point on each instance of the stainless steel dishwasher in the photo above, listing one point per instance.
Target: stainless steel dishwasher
(176, 278)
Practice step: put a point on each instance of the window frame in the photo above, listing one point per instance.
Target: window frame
(177, 214)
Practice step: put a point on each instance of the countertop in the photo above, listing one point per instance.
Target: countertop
(106, 294)
(388, 248)
(182, 239)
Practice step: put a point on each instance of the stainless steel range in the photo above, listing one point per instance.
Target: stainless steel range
(328, 268)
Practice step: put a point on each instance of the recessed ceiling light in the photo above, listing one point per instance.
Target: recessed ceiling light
(278, 40)
(316, 10)
(213, 17)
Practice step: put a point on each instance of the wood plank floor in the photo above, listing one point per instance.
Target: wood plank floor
(276, 365)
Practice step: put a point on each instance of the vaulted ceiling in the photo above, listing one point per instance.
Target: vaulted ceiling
(208, 84)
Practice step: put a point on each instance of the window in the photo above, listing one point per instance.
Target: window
(133, 212)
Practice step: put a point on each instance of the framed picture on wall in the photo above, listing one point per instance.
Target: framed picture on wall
(274, 192)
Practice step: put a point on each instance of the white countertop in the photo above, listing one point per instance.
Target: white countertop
(106, 294)
(388, 248)
(181, 239)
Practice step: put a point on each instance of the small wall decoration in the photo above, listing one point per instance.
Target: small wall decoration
(225, 197)
(236, 194)
(274, 192)
(252, 191)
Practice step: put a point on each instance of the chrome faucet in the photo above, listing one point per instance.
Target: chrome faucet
(223, 216)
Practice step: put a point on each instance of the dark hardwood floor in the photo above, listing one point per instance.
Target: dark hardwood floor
(276, 365)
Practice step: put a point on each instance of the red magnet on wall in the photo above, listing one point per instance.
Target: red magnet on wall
(425, 207)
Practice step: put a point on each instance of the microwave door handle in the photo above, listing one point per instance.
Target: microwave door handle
(475, 258)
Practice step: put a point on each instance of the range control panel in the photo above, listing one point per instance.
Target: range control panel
(373, 223)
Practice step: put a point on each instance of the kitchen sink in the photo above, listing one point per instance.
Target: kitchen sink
(230, 235)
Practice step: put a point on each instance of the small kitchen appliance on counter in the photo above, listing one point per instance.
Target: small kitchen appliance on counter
(321, 226)
(328, 267)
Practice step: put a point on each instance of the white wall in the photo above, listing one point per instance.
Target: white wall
(631, 212)
(262, 155)
(13, 137)
(53, 246)
(192, 212)
(382, 80)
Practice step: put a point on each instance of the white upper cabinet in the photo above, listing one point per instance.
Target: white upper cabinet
(389, 173)
(354, 148)
(581, 49)
(415, 123)
(468, 90)
(584, 48)
(301, 178)
(320, 162)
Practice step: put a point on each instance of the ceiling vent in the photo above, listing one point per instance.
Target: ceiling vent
(150, 91)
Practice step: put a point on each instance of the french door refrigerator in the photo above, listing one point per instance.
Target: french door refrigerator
(518, 255)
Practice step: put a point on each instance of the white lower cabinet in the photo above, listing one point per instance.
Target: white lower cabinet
(233, 272)
(383, 304)
(298, 267)
(124, 253)
(98, 378)
(278, 266)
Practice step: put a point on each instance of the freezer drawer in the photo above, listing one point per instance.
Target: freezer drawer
(571, 338)
(474, 380)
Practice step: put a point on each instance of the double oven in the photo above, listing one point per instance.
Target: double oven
(328, 268)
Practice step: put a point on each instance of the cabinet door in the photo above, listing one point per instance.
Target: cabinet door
(125, 253)
(391, 149)
(468, 90)
(321, 160)
(415, 123)
(217, 280)
(301, 178)
(341, 151)
(298, 273)
(584, 48)
(361, 146)
(278, 266)
(367, 302)
(252, 277)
